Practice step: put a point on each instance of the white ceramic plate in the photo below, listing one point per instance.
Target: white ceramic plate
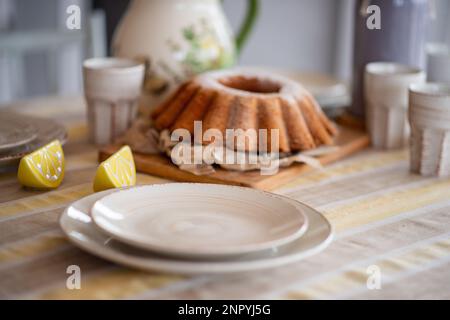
(194, 219)
(77, 224)
(329, 92)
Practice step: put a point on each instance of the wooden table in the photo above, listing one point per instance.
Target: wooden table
(386, 219)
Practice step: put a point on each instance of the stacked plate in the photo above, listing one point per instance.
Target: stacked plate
(195, 228)
(332, 94)
(21, 134)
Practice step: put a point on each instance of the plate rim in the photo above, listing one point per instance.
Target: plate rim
(231, 251)
(31, 132)
(12, 145)
(11, 158)
(190, 267)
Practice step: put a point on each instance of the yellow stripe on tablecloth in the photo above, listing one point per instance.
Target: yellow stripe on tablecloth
(31, 247)
(147, 179)
(86, 159)
(57, 197)
(45, 200)
(379, 207)
(355, 278)
(77, 132)
(115, 284)
(357, 164)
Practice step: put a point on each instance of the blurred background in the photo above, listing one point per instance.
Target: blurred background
(39, 56)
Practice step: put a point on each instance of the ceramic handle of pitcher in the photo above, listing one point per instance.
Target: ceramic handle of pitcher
(247, 24)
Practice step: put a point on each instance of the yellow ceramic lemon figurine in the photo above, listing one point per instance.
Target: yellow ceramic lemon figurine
(116, 171)
(43, 168)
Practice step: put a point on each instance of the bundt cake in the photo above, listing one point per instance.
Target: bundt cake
(248, 99)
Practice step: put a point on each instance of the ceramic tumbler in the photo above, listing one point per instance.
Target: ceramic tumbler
(429, 117)
(112, 88)
(386, 93)
(438, 63)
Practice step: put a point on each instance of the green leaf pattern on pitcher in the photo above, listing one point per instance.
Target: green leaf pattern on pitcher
(204, 50)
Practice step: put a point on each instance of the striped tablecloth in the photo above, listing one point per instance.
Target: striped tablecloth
(384, 217)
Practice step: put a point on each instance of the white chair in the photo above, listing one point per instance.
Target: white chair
(63, 51)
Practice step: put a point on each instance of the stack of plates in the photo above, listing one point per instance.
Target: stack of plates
(21, 134)
(195, 228)
(332, 94)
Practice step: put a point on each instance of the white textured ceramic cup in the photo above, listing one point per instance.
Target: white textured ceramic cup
(386, 94)
(112, 88)
(429, 117)
(438, 62)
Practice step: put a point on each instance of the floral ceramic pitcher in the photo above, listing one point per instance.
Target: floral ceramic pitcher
(177, 39)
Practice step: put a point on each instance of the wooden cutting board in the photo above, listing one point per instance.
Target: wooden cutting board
(349, 141)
